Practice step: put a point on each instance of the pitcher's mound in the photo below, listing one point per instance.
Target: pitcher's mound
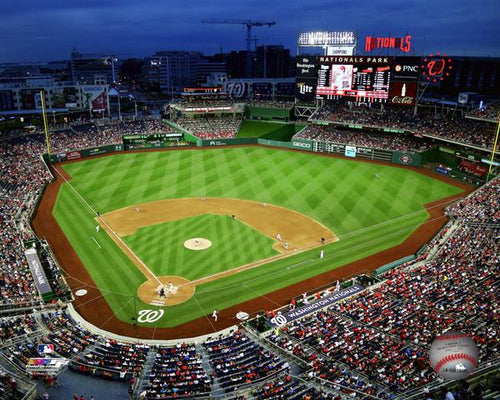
(166, 291)
(197, 244)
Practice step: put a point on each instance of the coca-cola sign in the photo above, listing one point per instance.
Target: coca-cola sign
(407, 100)
(403, 93)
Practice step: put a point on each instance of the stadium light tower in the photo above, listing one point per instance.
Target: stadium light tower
(249, 24)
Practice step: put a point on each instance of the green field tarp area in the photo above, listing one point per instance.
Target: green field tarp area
(267, 113)
(268, 130)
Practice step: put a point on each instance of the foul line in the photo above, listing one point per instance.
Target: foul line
(111, 230)
(96, 242)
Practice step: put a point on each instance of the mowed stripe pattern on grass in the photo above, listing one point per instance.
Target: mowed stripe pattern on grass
(344, 195)
(234, 243)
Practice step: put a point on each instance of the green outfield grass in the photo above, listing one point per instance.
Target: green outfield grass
(368, 214)
(233, 244)
(268, 130)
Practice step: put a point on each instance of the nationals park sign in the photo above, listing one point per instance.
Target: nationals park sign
(300, 312)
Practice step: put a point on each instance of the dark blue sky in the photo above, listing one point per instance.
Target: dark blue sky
(44, 30)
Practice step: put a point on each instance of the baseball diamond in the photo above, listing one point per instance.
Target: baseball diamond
(149, 204)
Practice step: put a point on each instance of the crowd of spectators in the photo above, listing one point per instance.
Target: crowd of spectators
(211, 128)
(480, 207)
(16, 326)
(157, 125)
(177, 372)
(426, 121)
(490, 112)
(22, 176)
(68, 337)
(237, 360)
(113, 360)
(285, 387)
(383, 141)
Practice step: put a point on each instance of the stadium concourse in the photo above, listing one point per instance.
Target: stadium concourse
(373, 344)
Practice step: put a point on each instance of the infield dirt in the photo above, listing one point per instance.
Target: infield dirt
(293, 232)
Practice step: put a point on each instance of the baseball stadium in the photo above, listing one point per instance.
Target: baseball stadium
(256, 239)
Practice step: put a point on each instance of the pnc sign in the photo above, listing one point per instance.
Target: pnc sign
(400, 43)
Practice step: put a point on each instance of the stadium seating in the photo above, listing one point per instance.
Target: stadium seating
(428, 121)
(374, 343)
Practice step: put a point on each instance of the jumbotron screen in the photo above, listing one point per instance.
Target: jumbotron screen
(361, 77)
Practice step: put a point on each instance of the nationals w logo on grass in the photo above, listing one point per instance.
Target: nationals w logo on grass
(150, 316)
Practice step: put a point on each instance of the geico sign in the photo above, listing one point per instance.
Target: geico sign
(300, 144)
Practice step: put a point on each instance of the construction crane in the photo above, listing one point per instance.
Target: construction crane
(249, 24)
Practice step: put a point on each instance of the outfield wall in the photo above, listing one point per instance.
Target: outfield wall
(395, 157)
(94, 151)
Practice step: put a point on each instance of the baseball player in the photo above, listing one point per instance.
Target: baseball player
(214, 315)
(162, 292)
(322, 254)
(286, 245)
(278, 237)
(97, 228)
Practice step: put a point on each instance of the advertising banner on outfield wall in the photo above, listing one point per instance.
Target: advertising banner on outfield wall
(412, 159)
(226, 142)
(302, 144)
(41, 282)
(283, 318)
(73, 155)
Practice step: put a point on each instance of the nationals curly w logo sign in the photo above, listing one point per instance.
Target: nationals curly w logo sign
(436, 67)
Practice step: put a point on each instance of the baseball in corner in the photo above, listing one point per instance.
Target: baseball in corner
(453, 355)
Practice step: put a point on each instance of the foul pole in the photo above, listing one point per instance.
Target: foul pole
(493, 151)
(45, 123)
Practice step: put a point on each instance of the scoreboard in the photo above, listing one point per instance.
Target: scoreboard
(362, 78)
(151, 141)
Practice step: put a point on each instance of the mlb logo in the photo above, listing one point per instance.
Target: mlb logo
(45, 348)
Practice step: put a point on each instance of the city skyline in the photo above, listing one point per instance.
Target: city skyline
(137, 29)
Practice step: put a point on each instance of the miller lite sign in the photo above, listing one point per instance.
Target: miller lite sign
(305, 89)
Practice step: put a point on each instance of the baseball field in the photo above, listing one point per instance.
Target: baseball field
(235, 201)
